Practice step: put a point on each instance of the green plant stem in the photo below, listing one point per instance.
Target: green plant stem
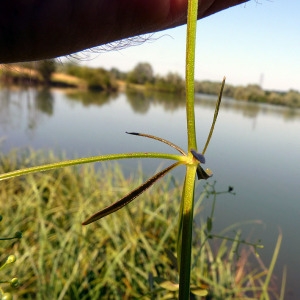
(190, 70)
(186, 233)
(215, 116)
(265, 294)
(234, 240)
(91, 159)
(187, 202)
(8, 238)
(283, 283)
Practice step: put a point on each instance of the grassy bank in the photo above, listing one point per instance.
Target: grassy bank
(125, 255)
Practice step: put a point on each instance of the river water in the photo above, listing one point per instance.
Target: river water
(255, 148)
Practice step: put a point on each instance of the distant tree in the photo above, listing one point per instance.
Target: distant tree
(118, 74)
(46, 68)
(256, 93)
(141, 74)
(251, 92)
(96, 78)
(174, 79)
(73, 69)
(275, 98)
(207, 87)
(172, 83)
(292, 98)
(228, 90)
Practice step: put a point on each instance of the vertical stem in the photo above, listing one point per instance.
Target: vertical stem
(184, 248)
(190, 69)
(186, 233)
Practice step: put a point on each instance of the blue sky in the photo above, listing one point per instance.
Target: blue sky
(251, 43)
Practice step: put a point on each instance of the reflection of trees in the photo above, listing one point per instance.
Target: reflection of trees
(5, 107)
(169, 101)
(91, 97)
(46, 68)
(291, 114)
(24, 108)
(248, 109)
(140, 101)
(44, 101)
(42, 104)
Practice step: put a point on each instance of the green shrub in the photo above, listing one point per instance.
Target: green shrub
(96, 78)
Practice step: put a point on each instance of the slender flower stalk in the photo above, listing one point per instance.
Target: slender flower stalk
(187, 201)
(190, 70)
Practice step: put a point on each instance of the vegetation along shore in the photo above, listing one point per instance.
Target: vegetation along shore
(142, 77)
(129, 255)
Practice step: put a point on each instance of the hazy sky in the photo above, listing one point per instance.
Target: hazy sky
(250, 43)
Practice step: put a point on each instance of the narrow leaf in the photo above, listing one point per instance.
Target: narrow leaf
(209, 224)
(215, 116)
(172, 258)
(129, 197)
(199, 292)
(158, 139)
(271, 268)
(170, 286)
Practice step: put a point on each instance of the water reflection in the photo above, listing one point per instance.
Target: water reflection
(170, 102)
(44, 101)
(141, 101)
(84, 124)
(91, 97)
(248, 109)
(19, 107)
(33, 104)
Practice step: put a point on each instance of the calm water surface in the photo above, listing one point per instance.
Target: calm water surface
(255, 148)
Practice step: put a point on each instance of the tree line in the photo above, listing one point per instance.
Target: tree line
(141, 75)
(28, 72)
(251, 93)
(51, 72)
(172, 82)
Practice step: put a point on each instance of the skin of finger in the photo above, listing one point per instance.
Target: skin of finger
(38, 29)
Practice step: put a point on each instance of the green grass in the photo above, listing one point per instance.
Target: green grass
(122, 256)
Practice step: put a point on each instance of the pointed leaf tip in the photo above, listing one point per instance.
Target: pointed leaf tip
(158, 139)
(133, 133)
(129, 197)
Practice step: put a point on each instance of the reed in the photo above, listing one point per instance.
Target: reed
(127, 255)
